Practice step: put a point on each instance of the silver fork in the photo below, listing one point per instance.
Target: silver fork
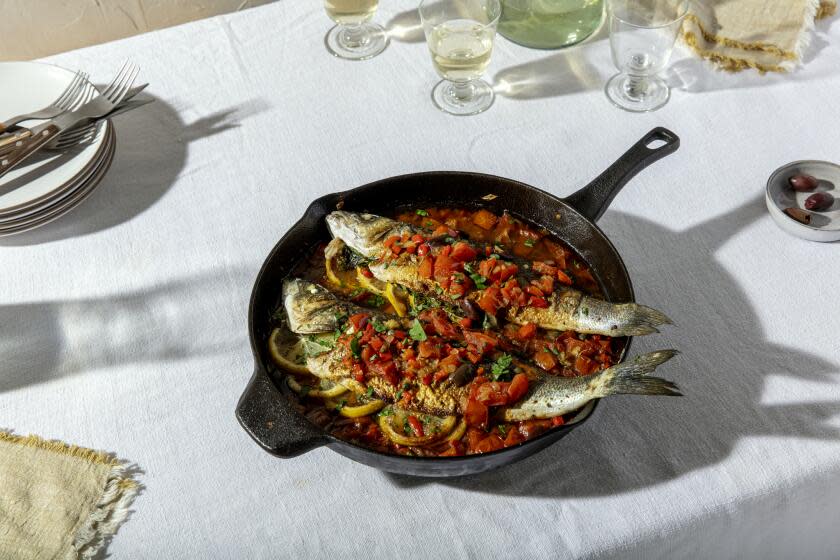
(63, 102)
(84, 132)
(89, 108)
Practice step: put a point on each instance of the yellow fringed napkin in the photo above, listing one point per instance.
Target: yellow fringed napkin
(58, 501)
(766, 35)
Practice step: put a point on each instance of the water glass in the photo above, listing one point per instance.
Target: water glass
(460, 35)
(354, 37)
(642, 36)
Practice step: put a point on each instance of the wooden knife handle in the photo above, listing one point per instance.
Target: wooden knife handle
(29, 146)
(8, 141)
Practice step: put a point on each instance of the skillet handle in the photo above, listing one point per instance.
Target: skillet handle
(273, 423)
(593, 199)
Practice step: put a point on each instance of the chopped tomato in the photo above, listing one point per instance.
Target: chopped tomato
(440, 231)
(534, 291)
(476, 414)
(538, 302)
(483, 342)
(545, 360)
(485, 267)
(494, 393)
(545, 283)
(466, 322)
(444, 267)
(359, 372)
(513, 437)
(389, 243)
(428, 349)
(563, 278)
(484, 219)
(490, 301)
(585, 366)
(440, 375)
(423, 249)
(473, 438)
(463, 252)
(526, 331)
(490, 443)
(417, 238)
(426, 267)
(518, 387)
(366, 272)
(386, 369)
(544, 268)
(507, 271)
(359, 321)
(558, 421)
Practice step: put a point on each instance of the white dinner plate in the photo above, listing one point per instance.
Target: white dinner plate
(68, 203)
(30, 86)
(68, 189)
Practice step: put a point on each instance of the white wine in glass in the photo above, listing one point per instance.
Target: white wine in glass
(461, 49)
(460, 36)
(351, 12)
(354, 37)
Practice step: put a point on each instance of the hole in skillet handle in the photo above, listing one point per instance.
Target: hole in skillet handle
(594, 199)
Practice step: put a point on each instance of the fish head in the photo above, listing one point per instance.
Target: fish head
(364, 233)
(310, 308)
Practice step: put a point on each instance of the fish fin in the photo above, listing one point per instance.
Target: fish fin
(631, 377)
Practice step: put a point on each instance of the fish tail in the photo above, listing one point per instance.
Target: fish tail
(622, 319)
(631, 377)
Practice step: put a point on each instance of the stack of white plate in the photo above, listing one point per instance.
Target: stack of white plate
(48, 184)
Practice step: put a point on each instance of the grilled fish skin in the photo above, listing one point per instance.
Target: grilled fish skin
(568, 309)
(311, 307)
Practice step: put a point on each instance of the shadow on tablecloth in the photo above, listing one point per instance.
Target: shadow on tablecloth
(726, 361)
(152, 145)
(40, 342)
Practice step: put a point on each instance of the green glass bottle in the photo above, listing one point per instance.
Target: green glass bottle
(550, 24)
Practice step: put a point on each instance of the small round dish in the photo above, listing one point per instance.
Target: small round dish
(825, 225)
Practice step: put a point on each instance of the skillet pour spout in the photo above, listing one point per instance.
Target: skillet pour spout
(273, 420)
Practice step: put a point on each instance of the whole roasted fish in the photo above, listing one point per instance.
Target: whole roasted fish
(397, 377)
(564, 309)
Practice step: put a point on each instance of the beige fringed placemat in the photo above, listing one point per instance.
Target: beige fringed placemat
(766, 35)
(58, 501)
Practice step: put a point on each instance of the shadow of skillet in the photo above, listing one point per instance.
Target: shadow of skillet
(405, 27)
(43, 341)
(722, 374)
(151, 152)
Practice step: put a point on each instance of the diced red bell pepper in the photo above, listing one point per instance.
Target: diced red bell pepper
(426, 267)
(416, 425)
(563, 278)
(490, 443)
(484, 219)
(476, 414)
(526, 331)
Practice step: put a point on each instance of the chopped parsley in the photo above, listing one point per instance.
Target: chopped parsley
(355, 348)
(374, 300)
(422, 213)
(369, 392)
(502, 430)
(379, 327)
(500, 370)
(416, 332)
(341, 404)
(387, 411)
(529, 242)
(479, 280)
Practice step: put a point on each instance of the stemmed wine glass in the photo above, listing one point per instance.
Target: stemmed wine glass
(460, 36)
(354, 37)
(642, 35)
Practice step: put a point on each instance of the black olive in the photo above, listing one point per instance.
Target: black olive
(463, 375)
(469, 308)
(819, 201)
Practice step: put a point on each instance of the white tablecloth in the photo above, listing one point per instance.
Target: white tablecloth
(124, 324)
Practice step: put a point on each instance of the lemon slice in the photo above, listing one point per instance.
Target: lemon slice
(397, 299)
(326, 390)
(459, 431)
(331, 253)
(362, 409)
(372, 285)
(288, 351)
(392, 426)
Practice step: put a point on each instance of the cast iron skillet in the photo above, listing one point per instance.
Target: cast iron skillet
(267, 414)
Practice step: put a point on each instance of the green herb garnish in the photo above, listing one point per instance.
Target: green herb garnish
(422, 213)
(369, 392)
(374, 300)
(502, 430)
(355, 348)
(501, 367)
(529, 242)
(379, 327)
(341, 404)
(416, 332)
